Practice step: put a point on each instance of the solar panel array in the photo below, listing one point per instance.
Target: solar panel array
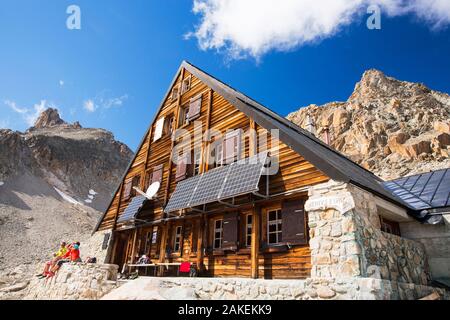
(182, 194)
(243, 177)
(423, 191)
(225, 182)
(208, 188)
(132, 209)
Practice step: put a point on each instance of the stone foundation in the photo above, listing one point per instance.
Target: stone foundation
(149, 288)
(75, 281)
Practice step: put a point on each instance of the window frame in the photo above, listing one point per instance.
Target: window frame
(220, 231)
(169, 123)
(189, 79)
(177, 239)
(248, 229)
(196, 164)
(218, 161)
(136, 179)
(183, 115)
(279, 226)
(177, 88)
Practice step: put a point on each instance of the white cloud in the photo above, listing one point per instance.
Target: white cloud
(29, 115)
(103, 102)
(255, 27)
(61, 83)
(89, 105)
(15, 107)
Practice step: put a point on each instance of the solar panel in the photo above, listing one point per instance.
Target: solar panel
(208, 190)
(243, 177)
(182, 194)
(224, 182)
(132, 209)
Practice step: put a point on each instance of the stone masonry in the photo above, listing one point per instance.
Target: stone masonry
(346, 240)
(75, 281)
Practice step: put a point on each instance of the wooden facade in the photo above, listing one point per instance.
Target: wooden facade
(259, 238)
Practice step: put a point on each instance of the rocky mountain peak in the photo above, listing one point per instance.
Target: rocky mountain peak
(389, 126)
(48, 118)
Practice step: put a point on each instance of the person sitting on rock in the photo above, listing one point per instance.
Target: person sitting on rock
(73, 255)
(56, 257)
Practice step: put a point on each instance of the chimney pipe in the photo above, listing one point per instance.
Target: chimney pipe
(326, 135)
(310, 125)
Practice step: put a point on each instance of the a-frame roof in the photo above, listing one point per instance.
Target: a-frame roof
(331, 162)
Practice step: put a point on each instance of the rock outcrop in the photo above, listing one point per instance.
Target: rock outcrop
(390, 127)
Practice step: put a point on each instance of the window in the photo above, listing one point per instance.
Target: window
(218, 234)
(168, 125)
(274, 223)
(218, 154)
(232, 146)
(150, 239)
(248, 230)
(195, 106)
(186, 85)
(175, 93)
(177, 242)
(390, 226)
(182, 166)
(197, 162)
(135, 183)
(183, 117)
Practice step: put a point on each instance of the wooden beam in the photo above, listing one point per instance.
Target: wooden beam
(177, 115)
(119, 202)
(200, 243)
(256, 231)
(133, 248)
(206, 145)
(252, 139)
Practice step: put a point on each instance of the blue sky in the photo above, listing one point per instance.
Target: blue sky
(120, 63)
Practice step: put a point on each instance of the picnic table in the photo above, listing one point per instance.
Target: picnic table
(154, 265)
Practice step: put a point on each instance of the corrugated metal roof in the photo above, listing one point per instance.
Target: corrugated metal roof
(429, 190)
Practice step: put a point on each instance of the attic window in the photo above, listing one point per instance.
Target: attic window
(175, 93)
(159, 128)
(195, 106)
(186, 85)
(168, 125)
(183, 117)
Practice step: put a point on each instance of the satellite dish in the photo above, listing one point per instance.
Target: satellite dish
(153, 189)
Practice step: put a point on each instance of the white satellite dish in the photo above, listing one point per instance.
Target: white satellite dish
(153, 189)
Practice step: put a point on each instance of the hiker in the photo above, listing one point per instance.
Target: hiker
(73, 255)
(56, 257)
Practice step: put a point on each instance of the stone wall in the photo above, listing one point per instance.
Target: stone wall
(436, 241)
(75, 281)
(148, 288)
(346, 240)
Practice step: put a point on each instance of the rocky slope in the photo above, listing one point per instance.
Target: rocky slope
(393, 128)
(83, 163)
(55, 179)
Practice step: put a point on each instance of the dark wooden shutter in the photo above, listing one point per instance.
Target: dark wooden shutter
(293, 222)
(195, 106)
(230, 144)
(230, 231)
(127, 190)
(182, 168)
(157, 173)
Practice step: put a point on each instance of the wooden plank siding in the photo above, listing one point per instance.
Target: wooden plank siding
(218, 114)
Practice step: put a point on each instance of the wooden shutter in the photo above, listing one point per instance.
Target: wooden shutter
(159, 128)
(230, 231)
(182, 168)
(230, 144)
(127, 190)
(195, 106)
(294, 222)
(157, 173)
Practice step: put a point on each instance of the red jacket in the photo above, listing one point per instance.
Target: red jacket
(74, 254)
